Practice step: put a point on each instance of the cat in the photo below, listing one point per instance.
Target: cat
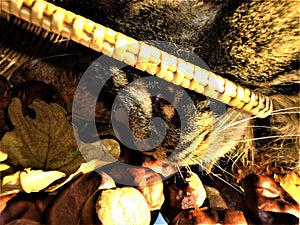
(252, 43)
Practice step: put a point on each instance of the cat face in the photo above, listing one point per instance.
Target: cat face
(250, 43)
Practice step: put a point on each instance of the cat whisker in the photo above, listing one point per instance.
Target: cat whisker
(227, 183)
(282, 113)
(223, 124)
(51, 57)
(189, 169)
(286, 109)
(225, 171)
(268, 137)
(267, 127)
(224, 120)
(179, 171)
(275, 112)
(57, 55)
(232, 124)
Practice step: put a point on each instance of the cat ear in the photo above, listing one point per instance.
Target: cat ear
(139, 54)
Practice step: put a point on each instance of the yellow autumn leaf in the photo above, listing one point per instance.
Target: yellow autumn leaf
(10, 184)
(3, 167)
(36, 180)
(291, 184)
(3, 156)
(29, 181)
(45, 142)
(86, 168)
(11, 180)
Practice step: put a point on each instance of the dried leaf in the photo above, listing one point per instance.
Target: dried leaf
(36, 180)
(83, 169)
(291, 184)
(4, 167)
(3, 156)
(11, 184)
(29, 181)
(46, 142)
(4, 200)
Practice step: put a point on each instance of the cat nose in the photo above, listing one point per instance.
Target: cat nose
(139, 54)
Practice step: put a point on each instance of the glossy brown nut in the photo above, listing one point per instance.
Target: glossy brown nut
(88, 214)
(186, 192)
(150, 185)
(196, 216)
(122, 206)
(234, 217)
(65, 208)
(25, 207)
(23, 222)
(183, 191)
(148, 182)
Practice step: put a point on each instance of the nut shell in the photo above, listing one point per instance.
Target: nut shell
(123, 206)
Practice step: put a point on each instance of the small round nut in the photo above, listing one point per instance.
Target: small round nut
(122, 206)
